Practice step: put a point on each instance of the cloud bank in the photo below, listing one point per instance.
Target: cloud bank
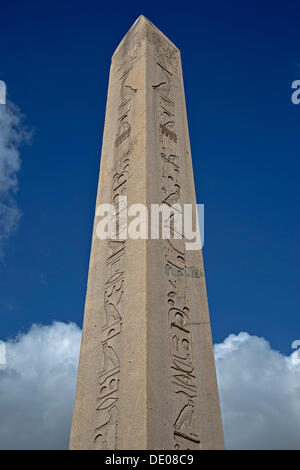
(259, 391)
(37, 387)
(260, 394)
(12, 136)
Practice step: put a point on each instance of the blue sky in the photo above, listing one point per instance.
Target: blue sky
(239, 60)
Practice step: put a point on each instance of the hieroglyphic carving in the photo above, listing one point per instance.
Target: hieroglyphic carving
(107, 416)
(184, 435)
(179, 315)
(165, 53)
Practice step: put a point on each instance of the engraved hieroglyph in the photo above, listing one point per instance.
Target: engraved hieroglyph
(146, 375)
(179, 315)
(107, 410)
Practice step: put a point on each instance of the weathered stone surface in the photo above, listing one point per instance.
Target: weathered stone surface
(146, 377)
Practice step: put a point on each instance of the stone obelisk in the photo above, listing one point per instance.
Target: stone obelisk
(146, 377)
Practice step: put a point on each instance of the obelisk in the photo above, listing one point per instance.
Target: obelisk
(146, 376)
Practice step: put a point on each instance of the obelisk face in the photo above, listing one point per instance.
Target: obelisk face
(146, 377)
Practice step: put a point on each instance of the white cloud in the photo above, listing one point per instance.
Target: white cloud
(260, 394)
(259, 390)
(12, 135)
(37, 387)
